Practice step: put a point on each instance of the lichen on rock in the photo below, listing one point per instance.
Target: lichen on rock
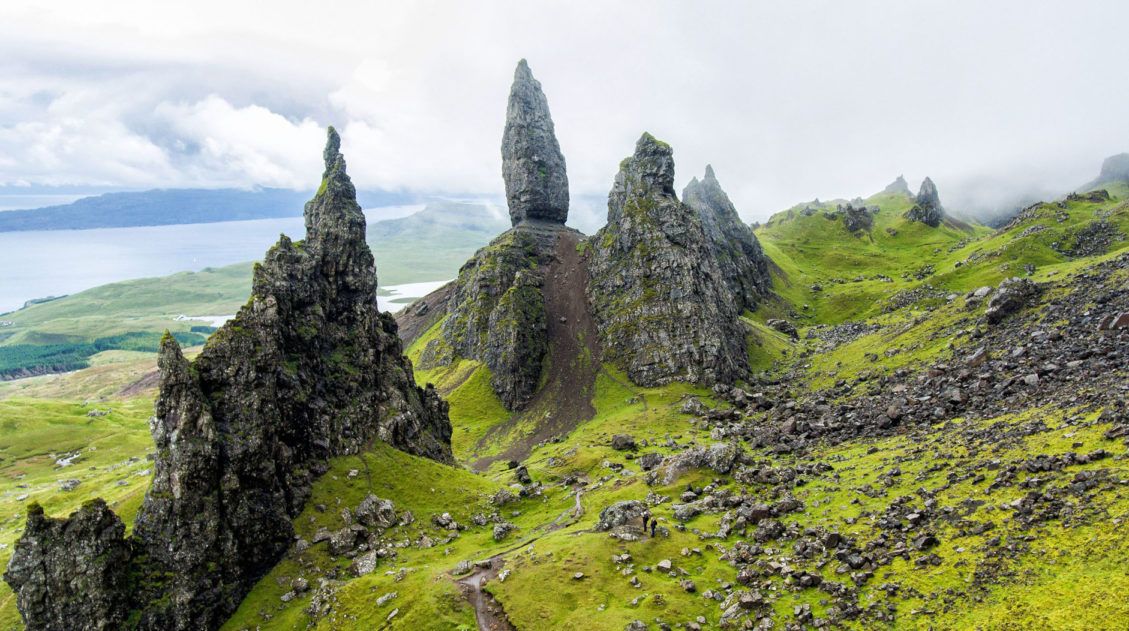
(532, 164)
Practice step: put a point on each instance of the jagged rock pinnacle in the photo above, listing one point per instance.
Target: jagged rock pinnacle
(532, 164)
(927, 205)
(653, 263)
(309, 369)
(739, 255)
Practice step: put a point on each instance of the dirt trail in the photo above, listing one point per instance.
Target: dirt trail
(573, 361)
(487, 611)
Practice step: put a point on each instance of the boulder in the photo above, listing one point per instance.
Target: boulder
(621, 513)
(1013, 294)
(374, 512)
(623, 442)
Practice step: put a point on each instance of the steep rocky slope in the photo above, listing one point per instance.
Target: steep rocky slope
(923, 465)
(309, 369)
(739, 255)
(661, 303)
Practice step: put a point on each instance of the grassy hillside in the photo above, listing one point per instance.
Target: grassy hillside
(1011, 517)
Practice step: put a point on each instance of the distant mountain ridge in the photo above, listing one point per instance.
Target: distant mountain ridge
(162, 207)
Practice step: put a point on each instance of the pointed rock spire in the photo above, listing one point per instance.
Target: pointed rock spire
(532, 164)
(739, 255)
(334, 209)
(927, 206)
(653, 263)
(309, 369)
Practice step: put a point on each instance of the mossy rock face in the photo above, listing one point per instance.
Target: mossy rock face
(662, 305)
(309, 369)
(496, 313)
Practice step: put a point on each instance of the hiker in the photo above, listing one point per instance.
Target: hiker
(654, 522)
(646, 518)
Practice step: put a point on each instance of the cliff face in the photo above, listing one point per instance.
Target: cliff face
(660, 300)
(740, 259)
(309, 369)
(496, 313)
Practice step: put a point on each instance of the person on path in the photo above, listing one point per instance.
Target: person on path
(654, 522)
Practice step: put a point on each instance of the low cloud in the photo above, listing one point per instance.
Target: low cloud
(788, 101)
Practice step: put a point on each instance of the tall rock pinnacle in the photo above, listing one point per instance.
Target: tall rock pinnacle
(532, 165)
(927, 206)
(662, 307)
(742, 262)
(308, 370)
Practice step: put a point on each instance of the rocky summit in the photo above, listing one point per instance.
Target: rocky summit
(739, 255)
(898, 187)
(309, 369)
(532, 164)
(927, 205)
(660, 300)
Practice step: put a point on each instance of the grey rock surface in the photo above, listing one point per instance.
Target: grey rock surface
(663, 309)
(740, 258)
(532, 164)
(72, 573)
(309, 369)
(1013, 294)
(927, 205)
(898, 186)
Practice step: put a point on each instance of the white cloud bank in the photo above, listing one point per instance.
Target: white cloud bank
(788, 101)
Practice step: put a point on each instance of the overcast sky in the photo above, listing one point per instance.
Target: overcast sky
(788, 100)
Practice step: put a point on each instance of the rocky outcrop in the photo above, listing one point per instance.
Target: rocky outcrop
(496, 313)
(927, 206)
(72, 573)
(661, 304)
(1012, 295)
(1114, 169)
(742, 262)
(898, 187)
(497, 310)
(532, 164)
(856, 218)
(309, 369)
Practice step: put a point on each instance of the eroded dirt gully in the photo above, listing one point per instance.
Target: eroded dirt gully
(573, 360)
